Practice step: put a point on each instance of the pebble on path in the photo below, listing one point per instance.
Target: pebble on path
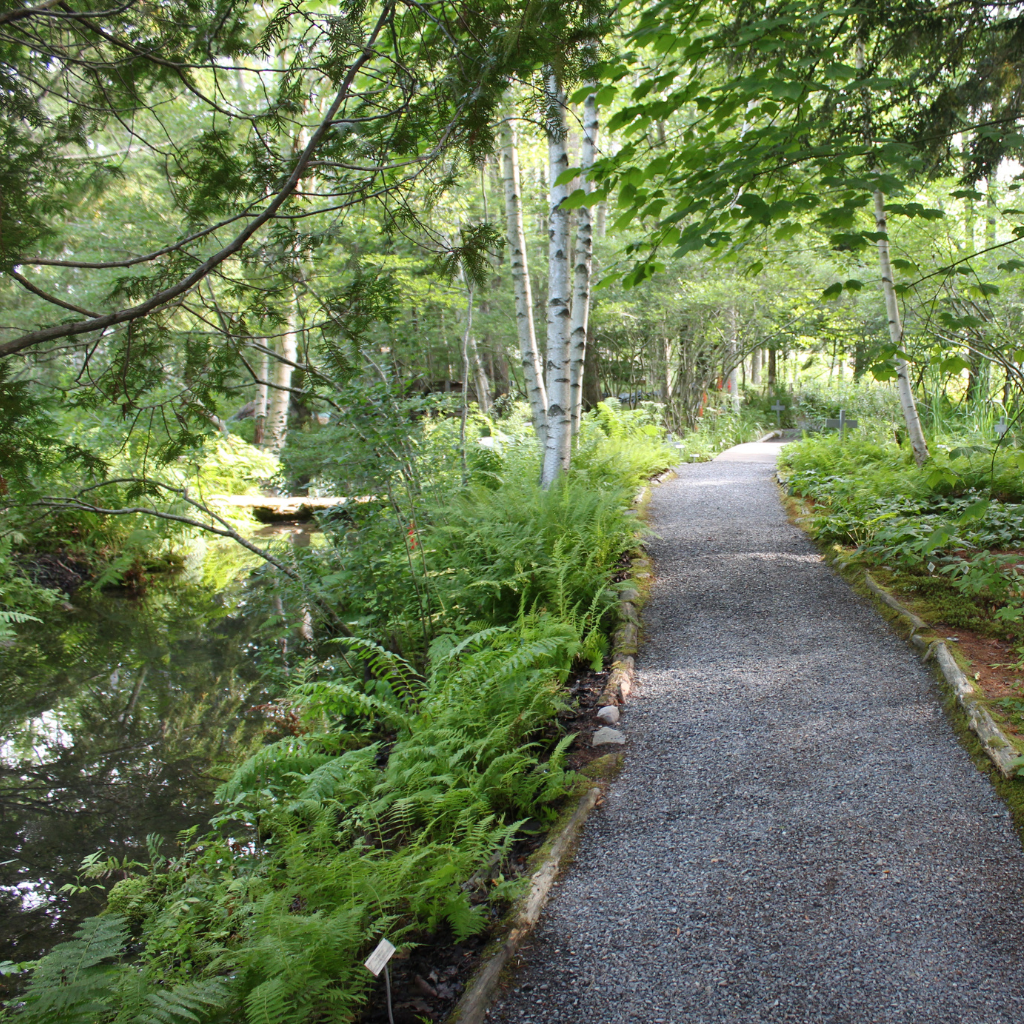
(796, 834)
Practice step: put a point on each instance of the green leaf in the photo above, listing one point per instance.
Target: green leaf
(976, 510)
(838, 72)
(833, 291)
(575, 200)
(853, 285)
(954, 364)
(567, 175)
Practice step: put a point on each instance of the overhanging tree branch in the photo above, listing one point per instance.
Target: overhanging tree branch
(161, 298)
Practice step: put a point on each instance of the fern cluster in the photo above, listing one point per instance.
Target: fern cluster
(272, 924)
(422, 748)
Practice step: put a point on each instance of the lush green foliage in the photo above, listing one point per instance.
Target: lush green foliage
(944, 524)
(402, 779)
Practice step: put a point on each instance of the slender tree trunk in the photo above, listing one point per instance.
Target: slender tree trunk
(483, 396)
(467, 335)
(591, 374)
(558, 444)
(892, 309)
(260, 414)
(755, 367)
(731, 360)
(772, 367)
(583, 264)
(533, 373)
(280, 395)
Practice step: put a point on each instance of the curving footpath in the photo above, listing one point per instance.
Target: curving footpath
(796, 834)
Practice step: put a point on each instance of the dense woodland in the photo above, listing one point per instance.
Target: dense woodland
(476, 271)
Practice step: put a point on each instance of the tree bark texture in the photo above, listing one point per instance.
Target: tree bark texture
(584, 260)
(280, 394)
(483, 395)
(558, 443)
(755, 366)
(260, 415)
(533, 372)
(892, 309)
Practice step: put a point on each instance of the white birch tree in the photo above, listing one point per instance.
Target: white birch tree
(584, 263)
(558, 443)
(892, 309)
(533, 371)
(287, 349)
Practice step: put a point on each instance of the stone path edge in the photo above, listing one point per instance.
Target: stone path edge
(472, 1007)
(1003, 753)
(1001, 750)
(627, 636)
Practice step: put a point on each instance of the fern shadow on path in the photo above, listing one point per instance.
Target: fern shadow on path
(796, 834)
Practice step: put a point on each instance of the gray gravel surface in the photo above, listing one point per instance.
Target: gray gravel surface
(796, 834)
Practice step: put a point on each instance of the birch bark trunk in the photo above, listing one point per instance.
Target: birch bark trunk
(892, 309)
(260, 415)
(280, 394)
(584, 264)
(558, 444)
(533, 373)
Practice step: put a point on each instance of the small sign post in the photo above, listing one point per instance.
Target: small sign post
(841, 424)
(376, 962)
(1002, 426)
(778, 408)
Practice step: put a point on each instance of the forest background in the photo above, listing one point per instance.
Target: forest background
(470, 268)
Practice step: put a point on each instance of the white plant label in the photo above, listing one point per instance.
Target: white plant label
(377, 960)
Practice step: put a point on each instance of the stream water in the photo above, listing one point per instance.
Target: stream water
(119, 715)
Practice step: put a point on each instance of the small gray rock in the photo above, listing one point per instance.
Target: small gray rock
(605, 735)
(609, 714)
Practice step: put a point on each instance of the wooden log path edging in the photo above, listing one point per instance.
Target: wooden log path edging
(1000, 748)
(472, 1007)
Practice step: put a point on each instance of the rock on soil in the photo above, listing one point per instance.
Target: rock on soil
(796, 835)
(604, 735)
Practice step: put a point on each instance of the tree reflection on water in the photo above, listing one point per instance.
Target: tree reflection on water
(117, 720)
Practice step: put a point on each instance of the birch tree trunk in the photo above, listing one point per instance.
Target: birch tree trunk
(466, 337)
(892, 309)
(558, 443)
(533, 373)
(280, 394)
(260, 415)
(584, 264)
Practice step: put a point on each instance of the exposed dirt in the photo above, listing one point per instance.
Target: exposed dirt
(427, 981)
(993, 666)
(585, 689)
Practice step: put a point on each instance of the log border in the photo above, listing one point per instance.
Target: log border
(999, 747)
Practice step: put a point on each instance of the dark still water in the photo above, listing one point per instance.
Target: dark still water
(118, 719)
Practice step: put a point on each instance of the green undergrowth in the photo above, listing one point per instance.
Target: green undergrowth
(948, 533)
(417, 751)
(846, 562)
(722, 427)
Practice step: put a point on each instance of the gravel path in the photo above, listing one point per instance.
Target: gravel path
(796, 834)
